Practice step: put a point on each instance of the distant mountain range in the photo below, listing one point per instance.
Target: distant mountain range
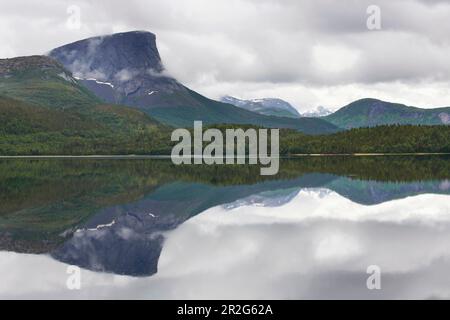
(319, 112)
(361, 113)
(358, 114)
(267, 106)
(274, 107)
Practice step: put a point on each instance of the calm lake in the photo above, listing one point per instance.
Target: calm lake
(147, 229)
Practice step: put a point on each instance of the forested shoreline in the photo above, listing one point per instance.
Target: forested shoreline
(381, 139)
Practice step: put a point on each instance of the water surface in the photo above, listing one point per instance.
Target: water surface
(148, 229)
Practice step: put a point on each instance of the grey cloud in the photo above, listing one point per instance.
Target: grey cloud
(256, 41)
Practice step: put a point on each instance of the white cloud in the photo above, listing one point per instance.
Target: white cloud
(314, 48)
(333, 59)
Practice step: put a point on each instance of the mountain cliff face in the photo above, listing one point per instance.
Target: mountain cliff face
(123, 68)
(126, 68)
(267, 106)
(108, 57)
(373, 112)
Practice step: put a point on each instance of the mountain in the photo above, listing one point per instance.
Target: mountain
(319, 112)
(266, 106)
(126, 68)
(373, 112)
(123, 68)
(45, 110)
(42, 81)
(275, 107)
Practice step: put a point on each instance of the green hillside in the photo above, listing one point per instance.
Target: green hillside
(101, 129)
(42, 81)
(373, 112)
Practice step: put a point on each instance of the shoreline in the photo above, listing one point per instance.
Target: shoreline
(129, 156)
(371, 154)
(143, 157)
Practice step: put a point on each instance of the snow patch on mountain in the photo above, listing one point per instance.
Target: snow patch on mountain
(266, 106)
(319, 112)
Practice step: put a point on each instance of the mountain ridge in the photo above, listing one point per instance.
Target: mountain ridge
(42, 81)
(369, 112)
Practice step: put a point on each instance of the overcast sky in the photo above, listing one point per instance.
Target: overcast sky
(310, 53)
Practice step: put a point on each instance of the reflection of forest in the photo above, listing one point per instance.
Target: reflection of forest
(43, 201)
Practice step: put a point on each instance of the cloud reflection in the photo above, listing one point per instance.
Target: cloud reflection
(318, 245)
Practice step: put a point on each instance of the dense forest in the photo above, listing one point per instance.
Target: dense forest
(153, 140)
(381, 139)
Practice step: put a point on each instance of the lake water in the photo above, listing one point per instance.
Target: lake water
(147, 229)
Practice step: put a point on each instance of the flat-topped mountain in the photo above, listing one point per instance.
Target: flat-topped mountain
(121, 68)
(106, 56)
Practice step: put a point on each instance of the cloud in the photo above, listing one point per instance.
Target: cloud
(266, 43)
(124, 75)
(334, 59)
